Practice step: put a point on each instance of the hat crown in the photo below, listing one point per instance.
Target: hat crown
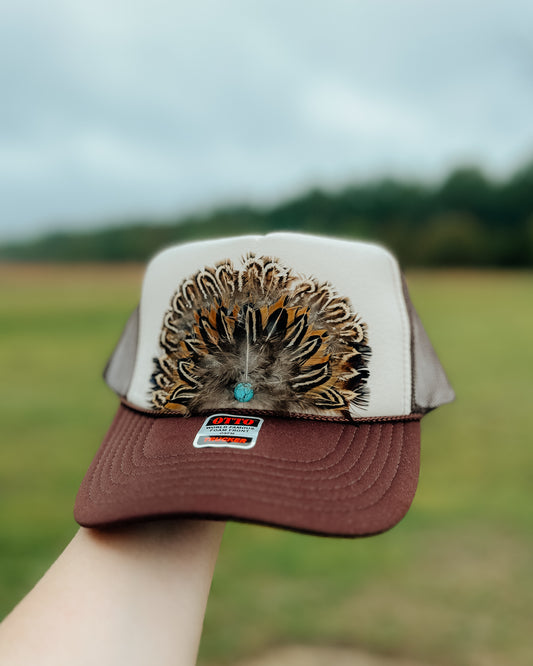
(224, 292)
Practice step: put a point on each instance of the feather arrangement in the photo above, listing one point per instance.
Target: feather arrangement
(261, 337)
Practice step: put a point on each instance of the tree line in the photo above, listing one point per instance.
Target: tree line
(467, 219)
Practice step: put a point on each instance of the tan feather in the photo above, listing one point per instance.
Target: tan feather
(295, 340)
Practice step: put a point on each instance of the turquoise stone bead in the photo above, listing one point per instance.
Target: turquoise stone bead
(243, 392)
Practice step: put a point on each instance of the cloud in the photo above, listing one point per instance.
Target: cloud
(119, 108)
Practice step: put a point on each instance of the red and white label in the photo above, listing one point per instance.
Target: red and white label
(228, 431)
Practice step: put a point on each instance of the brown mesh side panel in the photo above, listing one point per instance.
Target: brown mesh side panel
(431, 387)
(119, 368)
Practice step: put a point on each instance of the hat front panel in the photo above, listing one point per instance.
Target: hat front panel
(337, 305)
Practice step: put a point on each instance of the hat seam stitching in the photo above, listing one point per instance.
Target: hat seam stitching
(322, 508)
(337, 487)
(272, 474)
(273, 471)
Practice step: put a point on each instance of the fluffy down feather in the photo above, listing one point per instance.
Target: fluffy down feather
(294, 340)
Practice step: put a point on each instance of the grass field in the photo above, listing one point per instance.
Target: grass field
(452, 584)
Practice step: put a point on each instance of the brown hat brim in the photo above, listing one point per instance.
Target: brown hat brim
(329, 478)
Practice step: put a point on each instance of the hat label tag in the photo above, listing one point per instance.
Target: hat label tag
(228, 431)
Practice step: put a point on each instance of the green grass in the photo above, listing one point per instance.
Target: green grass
(451, 584)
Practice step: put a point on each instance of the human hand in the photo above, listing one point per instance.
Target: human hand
(134, 594)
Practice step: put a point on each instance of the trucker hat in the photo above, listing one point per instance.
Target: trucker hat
(276, 379)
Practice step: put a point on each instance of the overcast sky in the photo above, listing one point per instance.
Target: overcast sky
(112, 109)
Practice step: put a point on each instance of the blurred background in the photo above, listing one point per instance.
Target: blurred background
(126, 126)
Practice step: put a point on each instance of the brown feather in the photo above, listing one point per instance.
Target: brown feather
(295, 340)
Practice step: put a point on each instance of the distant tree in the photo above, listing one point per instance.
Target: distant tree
(467, 189)
(452, 239)
(468, 219)
(528, 244)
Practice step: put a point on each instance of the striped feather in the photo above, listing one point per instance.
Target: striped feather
(295, 340)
